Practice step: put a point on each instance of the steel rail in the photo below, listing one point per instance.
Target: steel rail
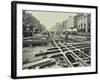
(84, 63)
(68, 62)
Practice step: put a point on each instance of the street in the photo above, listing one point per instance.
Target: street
(63, 54)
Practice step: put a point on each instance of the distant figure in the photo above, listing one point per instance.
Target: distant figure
(66, 37)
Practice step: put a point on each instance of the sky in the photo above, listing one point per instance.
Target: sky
(49, 19)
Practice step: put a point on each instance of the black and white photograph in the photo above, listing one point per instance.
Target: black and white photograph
(53, 39)
(56, 39)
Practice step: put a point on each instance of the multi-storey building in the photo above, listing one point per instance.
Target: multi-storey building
(83, 22)
(80, 23)
(70, 24)
(67, 25)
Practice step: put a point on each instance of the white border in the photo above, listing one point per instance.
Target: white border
(34, 72)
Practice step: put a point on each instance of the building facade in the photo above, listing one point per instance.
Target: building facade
(80, 23)
(70, 23)
(83, 22)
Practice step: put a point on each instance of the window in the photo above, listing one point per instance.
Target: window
(81, 25)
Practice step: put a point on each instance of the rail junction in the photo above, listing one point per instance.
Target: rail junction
(63, 55)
